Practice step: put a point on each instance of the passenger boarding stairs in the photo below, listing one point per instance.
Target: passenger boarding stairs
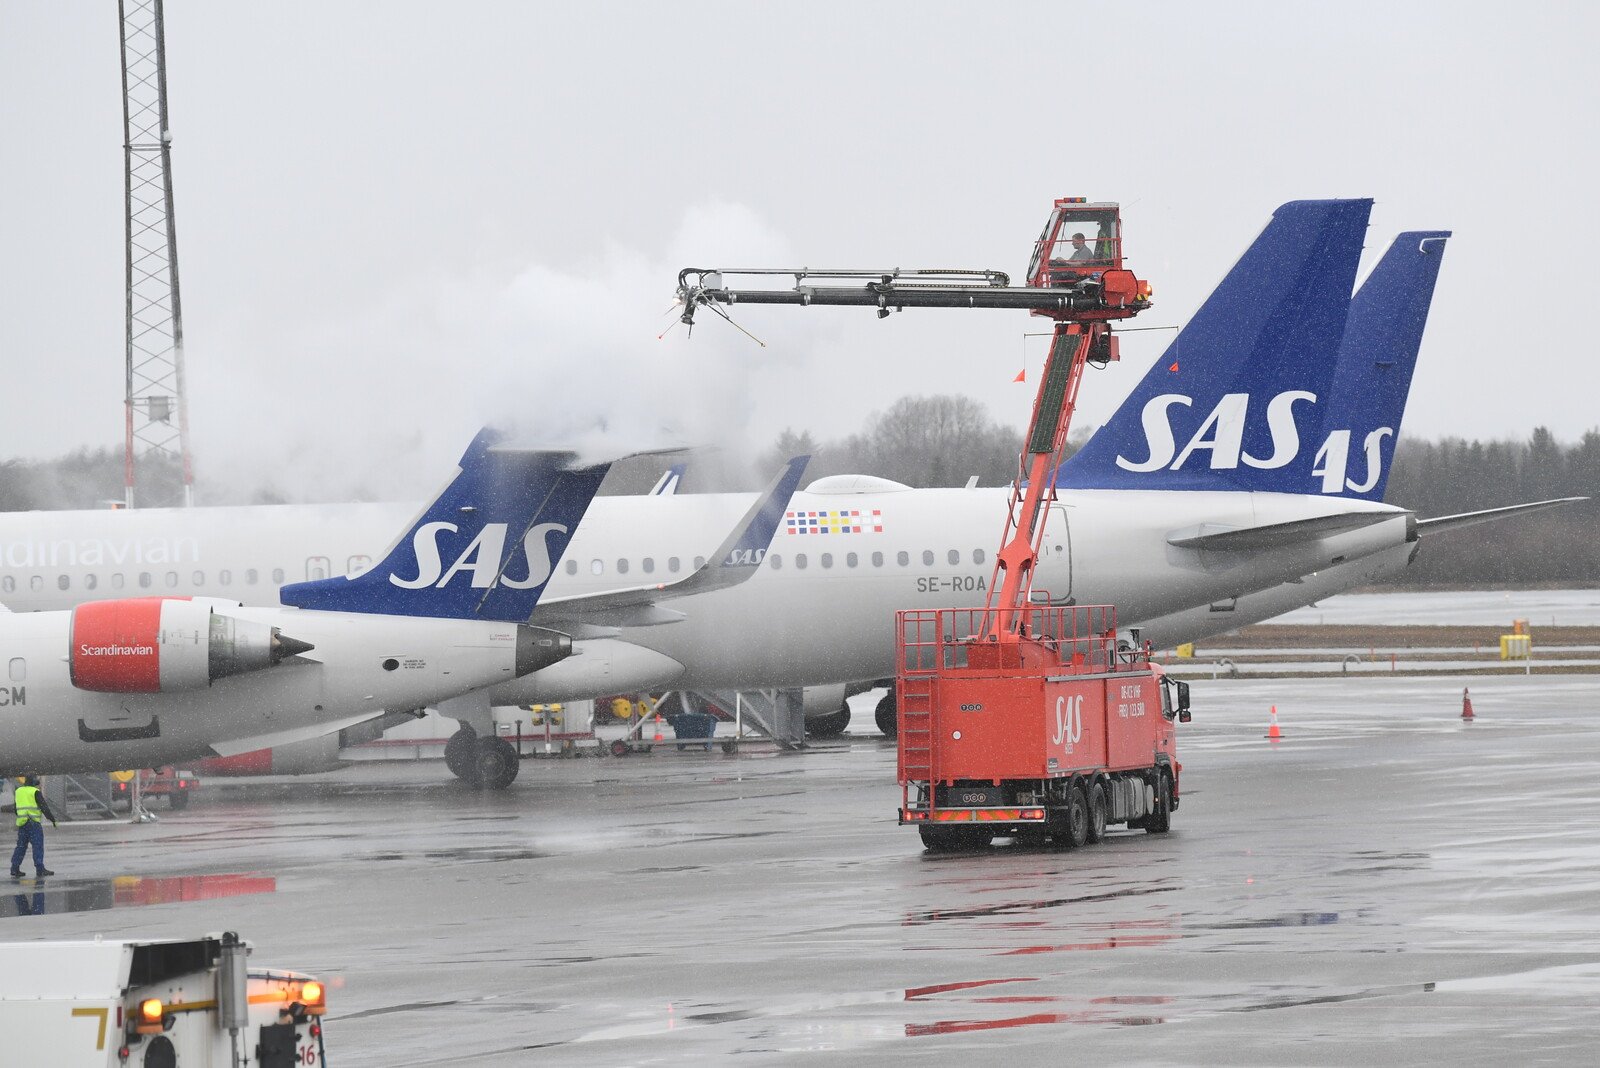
(778, 714)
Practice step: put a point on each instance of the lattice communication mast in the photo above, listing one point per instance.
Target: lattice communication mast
(157, 410)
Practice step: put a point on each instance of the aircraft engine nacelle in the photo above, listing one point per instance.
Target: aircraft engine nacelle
(166, 645)
(822, 700)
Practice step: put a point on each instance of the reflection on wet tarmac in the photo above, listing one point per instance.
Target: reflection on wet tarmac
(1012, 907)
(40, 897)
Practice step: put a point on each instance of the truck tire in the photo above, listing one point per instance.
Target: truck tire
(1097, 813)
(1075, 821)
(495, 764)
(1160, 821)
(178, 800)
(458, 752)
(885, 715)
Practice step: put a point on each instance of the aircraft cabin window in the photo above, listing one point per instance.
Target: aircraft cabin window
(172, 578)
(775, 560)
(63, 581)
(19, 669)
(826, 559)
(877, 559)
(117, 580)
(36, 583)
(977, 556)
(572, 567)
(927, 557)
(199, 578)
(672, 564)
(250, 576)
(8, 585)
(955, 556)
(699, 562)
(277, 576)
(648, 564)
(622, 566)
(800, 561)
(144, 580)
(225, 577)
(596, 567)
(850, 559)
(902, 558)
(90, 581)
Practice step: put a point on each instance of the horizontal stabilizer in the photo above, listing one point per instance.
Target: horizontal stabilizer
(736, 559)
(1275, 535)
(300, 734)
(1488, 515)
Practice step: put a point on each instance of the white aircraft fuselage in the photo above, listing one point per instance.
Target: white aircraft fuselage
(820, 610)
(358, 666)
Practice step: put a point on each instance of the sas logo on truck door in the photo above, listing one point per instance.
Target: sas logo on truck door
(481, 558)
(1069, 721)
(1221, 437)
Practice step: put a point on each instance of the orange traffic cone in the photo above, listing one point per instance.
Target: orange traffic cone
(1273, 733)
(1466, 704)
(658, 728)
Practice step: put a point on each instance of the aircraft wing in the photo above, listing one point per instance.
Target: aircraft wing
(735, 560)
(1275, 535)
(1467, 519)
(236, 746)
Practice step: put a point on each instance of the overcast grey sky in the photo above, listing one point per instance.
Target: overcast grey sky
(397, 221)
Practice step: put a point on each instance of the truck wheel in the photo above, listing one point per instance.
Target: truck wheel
(495, 764)
(178, 800)
(458, 752)
(619, 748)
(1097, 812)
(1075, 831)
(1160, 821)
(884, 714)
(831, 725)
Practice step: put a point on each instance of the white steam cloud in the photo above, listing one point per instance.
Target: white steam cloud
(379, 400)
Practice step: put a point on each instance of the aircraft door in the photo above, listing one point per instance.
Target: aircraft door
(1055, 557)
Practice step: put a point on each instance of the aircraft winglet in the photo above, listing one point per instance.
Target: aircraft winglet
(738, 557)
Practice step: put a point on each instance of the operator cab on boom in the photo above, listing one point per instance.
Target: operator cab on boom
(1080, 240)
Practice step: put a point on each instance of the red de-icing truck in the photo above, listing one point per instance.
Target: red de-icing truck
(1054, 737)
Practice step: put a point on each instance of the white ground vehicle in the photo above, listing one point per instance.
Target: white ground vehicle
(155, 1004)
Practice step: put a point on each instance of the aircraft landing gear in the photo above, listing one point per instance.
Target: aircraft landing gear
(885, 716)
(494, 764)
(458, 751)
(830, 725)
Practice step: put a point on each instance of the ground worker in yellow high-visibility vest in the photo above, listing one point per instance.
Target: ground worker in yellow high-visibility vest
(31, 807)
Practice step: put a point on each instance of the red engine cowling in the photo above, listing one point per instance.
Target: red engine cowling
(166, 644)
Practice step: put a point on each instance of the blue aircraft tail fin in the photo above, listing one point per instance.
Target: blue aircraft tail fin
(483, 549)
(1229, 404)
(1376, 362)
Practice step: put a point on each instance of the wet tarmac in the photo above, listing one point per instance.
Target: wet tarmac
(1385, 885)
